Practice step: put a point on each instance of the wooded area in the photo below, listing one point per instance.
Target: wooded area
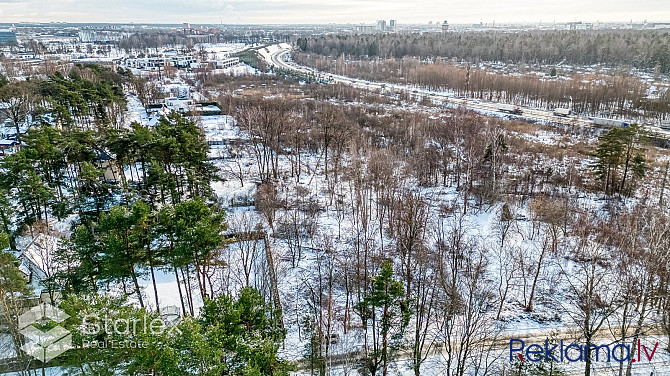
(648, 49)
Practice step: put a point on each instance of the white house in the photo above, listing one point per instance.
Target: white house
(180, 104)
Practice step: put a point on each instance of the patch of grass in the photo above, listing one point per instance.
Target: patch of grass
(250, 57)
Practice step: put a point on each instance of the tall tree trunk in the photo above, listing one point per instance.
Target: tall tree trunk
(137, 286)
(153, 277)
(529, 307)
(181, 296)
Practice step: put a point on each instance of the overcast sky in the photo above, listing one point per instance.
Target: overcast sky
(327, 11)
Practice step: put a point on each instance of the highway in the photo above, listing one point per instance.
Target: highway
(275, 55)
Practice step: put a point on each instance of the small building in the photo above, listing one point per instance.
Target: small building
(227, 63)
(38, 258)
(180, 104)
(156, 108)
(579, 25)
(146, 63)
(7, 36)
(8, 146)
(8, 130)
(182, 61)
(88, 35)
(364, 29)
(26, 56)
(111, 171)
(208, 108)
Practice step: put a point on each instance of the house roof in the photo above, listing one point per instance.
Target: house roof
(8, 142)
(39, 254)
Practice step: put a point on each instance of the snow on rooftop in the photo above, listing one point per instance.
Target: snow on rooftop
(41, 251)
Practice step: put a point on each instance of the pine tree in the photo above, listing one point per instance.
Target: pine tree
(80, 258)
(121, 244)
(620, 159)
(313, 347)
(13, 290)
(233, 337)
(5, 220)
(198, 233)
(387, 312)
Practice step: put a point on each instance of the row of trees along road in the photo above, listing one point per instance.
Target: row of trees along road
(616, 92)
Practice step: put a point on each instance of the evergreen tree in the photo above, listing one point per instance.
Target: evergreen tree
(13, 291)
(4, 241)
(620, 159)
(386, 313)
(313, 352)
(242, 335)
(80, 261)
(121, 243)
(110, 336)
(198, 232)
(5, 220)
(179, 146)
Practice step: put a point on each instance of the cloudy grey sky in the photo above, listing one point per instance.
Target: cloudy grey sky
(339, 11)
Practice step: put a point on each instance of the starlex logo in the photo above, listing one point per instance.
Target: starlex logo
(574, 352)
(44, 345)
(122, 332)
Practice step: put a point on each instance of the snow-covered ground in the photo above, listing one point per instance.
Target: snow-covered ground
(334, 228)
(292, 279)
(218, 51)
(239, 70)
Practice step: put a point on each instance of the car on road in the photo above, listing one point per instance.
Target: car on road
(564, 112)
(510, 108)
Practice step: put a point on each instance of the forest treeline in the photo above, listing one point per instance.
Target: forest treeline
(649, 49)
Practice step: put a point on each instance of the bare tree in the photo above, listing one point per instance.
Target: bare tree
(591, 299)
(464, 327)
(19, 100)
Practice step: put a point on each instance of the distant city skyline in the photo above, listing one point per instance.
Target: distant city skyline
(332, 11)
